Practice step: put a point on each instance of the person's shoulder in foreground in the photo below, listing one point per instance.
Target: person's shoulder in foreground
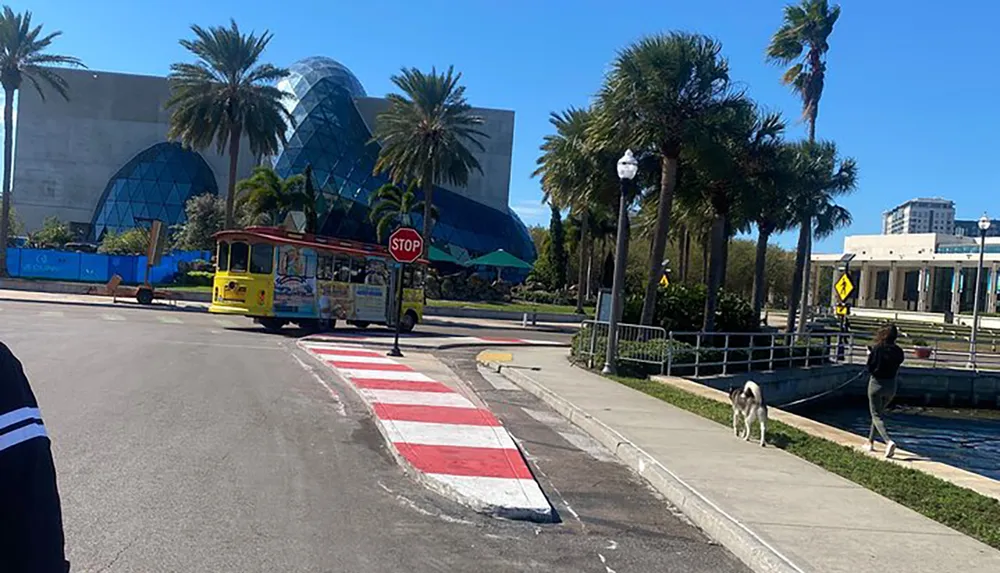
(31, 533)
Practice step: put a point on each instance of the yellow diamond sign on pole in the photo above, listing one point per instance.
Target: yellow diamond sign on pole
(844, 287)
(664, 281)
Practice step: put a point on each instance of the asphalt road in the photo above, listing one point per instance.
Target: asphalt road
(185, 442)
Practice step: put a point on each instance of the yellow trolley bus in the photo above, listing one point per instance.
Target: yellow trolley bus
(279, 277)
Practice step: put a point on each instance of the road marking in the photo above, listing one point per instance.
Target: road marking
(588, 445)
(169, 320)
(385, 374)
(112, 317)
(418, 398)
(52, 313)
(493, 379)
(546, 418)
(429, 434)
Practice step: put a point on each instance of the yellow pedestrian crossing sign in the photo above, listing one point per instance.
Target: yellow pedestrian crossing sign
(664, 281)
(844, 287)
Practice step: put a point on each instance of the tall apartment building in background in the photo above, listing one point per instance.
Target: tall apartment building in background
(933, 215)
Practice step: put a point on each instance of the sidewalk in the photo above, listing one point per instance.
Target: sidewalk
(773, 510)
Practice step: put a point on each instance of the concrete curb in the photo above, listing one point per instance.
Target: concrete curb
(534, 514)
(753, 551)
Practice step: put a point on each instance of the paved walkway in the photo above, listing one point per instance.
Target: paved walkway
(772, 509)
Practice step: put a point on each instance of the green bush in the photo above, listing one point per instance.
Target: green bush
(195, 278)
(130, 242)
(681, 308)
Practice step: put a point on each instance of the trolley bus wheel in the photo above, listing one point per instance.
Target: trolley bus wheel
(272, 324)
(361, 324)
(408, 321)
(144, 295)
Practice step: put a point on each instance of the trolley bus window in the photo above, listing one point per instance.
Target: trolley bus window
(222, 260)
(413, 277)
(358, 270)
(324, 267)
(239, 254)
(376, 272)
(342, 268)
(262, 259)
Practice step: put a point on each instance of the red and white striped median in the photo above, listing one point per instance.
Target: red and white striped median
(454, 446)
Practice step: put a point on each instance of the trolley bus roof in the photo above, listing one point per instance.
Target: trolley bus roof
(286, 237)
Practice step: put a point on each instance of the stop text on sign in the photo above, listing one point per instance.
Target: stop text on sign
(405, 245)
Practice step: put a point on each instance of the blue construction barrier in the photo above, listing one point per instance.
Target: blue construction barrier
(94, 268)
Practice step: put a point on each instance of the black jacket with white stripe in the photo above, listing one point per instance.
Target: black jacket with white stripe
(31, 533)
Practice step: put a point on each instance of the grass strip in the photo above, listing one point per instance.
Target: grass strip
(518, 306)
(964, 510)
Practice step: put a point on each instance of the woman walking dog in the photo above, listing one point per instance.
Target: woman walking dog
(884, 359)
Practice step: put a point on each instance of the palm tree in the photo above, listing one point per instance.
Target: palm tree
(425, 135)
(23, 57)
(574, 173)
(227, 95)
(771, 213)
(820, 177)
(311, 200)
(654, 98)
(267, 198)
(393, 207)
(803, 39)
(736, 154)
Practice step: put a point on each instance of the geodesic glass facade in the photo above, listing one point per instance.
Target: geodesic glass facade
(153, 185)
(331, 135)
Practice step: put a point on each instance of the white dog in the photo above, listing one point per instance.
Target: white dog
(748, 402)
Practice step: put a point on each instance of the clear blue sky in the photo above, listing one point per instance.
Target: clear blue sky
(910, 91)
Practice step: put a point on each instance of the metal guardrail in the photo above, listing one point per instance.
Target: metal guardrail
(636, 343)
(741, 351)
(737, 351)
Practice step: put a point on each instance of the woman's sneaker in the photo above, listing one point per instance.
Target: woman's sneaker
(890, 450)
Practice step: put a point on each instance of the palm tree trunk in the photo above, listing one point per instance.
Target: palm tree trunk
(760, 267)
(718, 246)
(582, 271)
(686, 255)
(668, 180)
(428, 185)
(804, 304)
(234, 156)
(705, 251)
(8, 151)
(800, 253)
(724, 267)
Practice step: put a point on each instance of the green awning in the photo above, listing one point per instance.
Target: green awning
(436, 255)
(500, 259)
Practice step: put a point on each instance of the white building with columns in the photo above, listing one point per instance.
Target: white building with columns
(926, 273)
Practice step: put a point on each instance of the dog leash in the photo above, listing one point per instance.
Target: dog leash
(828, 392)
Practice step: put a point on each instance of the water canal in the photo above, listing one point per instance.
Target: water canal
(963, 438)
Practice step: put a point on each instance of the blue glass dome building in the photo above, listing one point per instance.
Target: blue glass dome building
(155, 184)
(332, 136)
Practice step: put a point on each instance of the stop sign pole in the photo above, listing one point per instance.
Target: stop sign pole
(405, 245)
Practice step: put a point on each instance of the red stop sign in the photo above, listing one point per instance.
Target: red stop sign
(406, 245)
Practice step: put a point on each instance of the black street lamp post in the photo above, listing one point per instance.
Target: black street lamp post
(627, 168)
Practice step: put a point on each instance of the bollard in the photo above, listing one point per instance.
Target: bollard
(534, 317)
(524, 320)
